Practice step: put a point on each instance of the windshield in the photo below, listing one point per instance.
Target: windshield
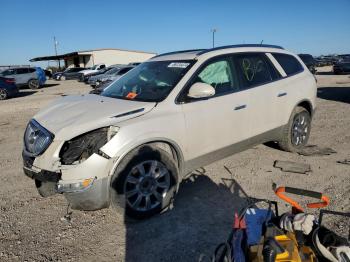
(150, 81)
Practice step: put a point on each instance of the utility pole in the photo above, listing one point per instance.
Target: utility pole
(56, 43)
(214, 30)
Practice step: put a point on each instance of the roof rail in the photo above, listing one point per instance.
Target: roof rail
(237, 46)
(179, 52)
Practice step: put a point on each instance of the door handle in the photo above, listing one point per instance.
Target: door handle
(240, 107)
(282, 94)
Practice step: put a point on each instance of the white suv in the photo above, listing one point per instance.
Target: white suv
(165, 118)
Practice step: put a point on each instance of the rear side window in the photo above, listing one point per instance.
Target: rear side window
(289, 63)
(31, 70)
(254, 69)
(22, 71)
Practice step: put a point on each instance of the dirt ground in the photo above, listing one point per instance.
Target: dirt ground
(32, 228)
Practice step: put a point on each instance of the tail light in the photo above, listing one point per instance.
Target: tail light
(10, 80)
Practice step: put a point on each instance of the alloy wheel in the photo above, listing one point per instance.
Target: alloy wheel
(147, 185)
(3, 94)
(300, 129)
(34, 84)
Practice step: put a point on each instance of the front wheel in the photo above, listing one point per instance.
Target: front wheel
(147, 181)
(297, 132)
(33, 84)
(3, 94)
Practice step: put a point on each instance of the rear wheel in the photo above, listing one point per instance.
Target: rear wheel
(3, 94)
(33, 84)
(146, 180)
(297, 132)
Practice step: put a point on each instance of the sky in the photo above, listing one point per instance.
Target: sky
(301, 26)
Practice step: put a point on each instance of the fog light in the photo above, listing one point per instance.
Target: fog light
(74, 186)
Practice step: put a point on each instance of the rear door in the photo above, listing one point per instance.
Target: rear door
(22, 75)
(215, 124)
(258, 78)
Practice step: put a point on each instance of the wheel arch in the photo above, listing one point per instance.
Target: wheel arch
(167, 145)
(305, 103)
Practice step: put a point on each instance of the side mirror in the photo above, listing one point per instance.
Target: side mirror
(201, 90)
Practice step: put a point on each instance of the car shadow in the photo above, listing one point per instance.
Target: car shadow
(200, 220)
(23, 93)
(339, 94)
(325, 73)
(50, 85)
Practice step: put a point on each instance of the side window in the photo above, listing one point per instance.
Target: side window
(102, 66)
(31, 70)
(219, 75)
(289, 63)
(254, 69)
(22, 70)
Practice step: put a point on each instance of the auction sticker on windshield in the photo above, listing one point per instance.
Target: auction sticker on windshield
(131, 95)
(178, 65)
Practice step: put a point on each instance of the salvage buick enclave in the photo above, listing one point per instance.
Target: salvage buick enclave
(165, 118)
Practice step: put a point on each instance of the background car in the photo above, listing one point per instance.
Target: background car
(33, 77)
(8, 87)
(69, 73)
(93, 69)
(85, 78)
(342, 67)
(110, 75)
(309, 61)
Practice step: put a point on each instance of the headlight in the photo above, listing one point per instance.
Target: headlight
(82, 147)
(36, 138)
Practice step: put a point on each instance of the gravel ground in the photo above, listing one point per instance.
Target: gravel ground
(32, 228)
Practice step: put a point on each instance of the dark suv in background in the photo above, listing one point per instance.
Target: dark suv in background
(342, 67)
(309, 61)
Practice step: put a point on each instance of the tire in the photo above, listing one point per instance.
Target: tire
(297, 132)
(3, 94)
(145, 193)
(33, 84)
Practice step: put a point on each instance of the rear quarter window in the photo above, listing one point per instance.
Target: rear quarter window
(289, 63)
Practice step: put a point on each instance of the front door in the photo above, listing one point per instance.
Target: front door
(215, 124)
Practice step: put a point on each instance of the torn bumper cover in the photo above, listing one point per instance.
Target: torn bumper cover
(82, 193)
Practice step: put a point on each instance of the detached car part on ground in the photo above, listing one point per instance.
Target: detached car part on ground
(32, 77)
(165, 118)
(8, 87)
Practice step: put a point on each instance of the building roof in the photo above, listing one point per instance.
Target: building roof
(81, 52)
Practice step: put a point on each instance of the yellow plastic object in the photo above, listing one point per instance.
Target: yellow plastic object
(292, 252)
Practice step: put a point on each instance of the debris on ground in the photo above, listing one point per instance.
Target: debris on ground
(313, 150)
(293, 167)
(345, 161)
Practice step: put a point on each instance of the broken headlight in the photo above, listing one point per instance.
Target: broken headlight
(82, 147)
(36, 138)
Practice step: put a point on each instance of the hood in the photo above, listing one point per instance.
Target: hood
(71, 116)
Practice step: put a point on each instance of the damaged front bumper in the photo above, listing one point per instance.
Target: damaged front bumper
(85, 186)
